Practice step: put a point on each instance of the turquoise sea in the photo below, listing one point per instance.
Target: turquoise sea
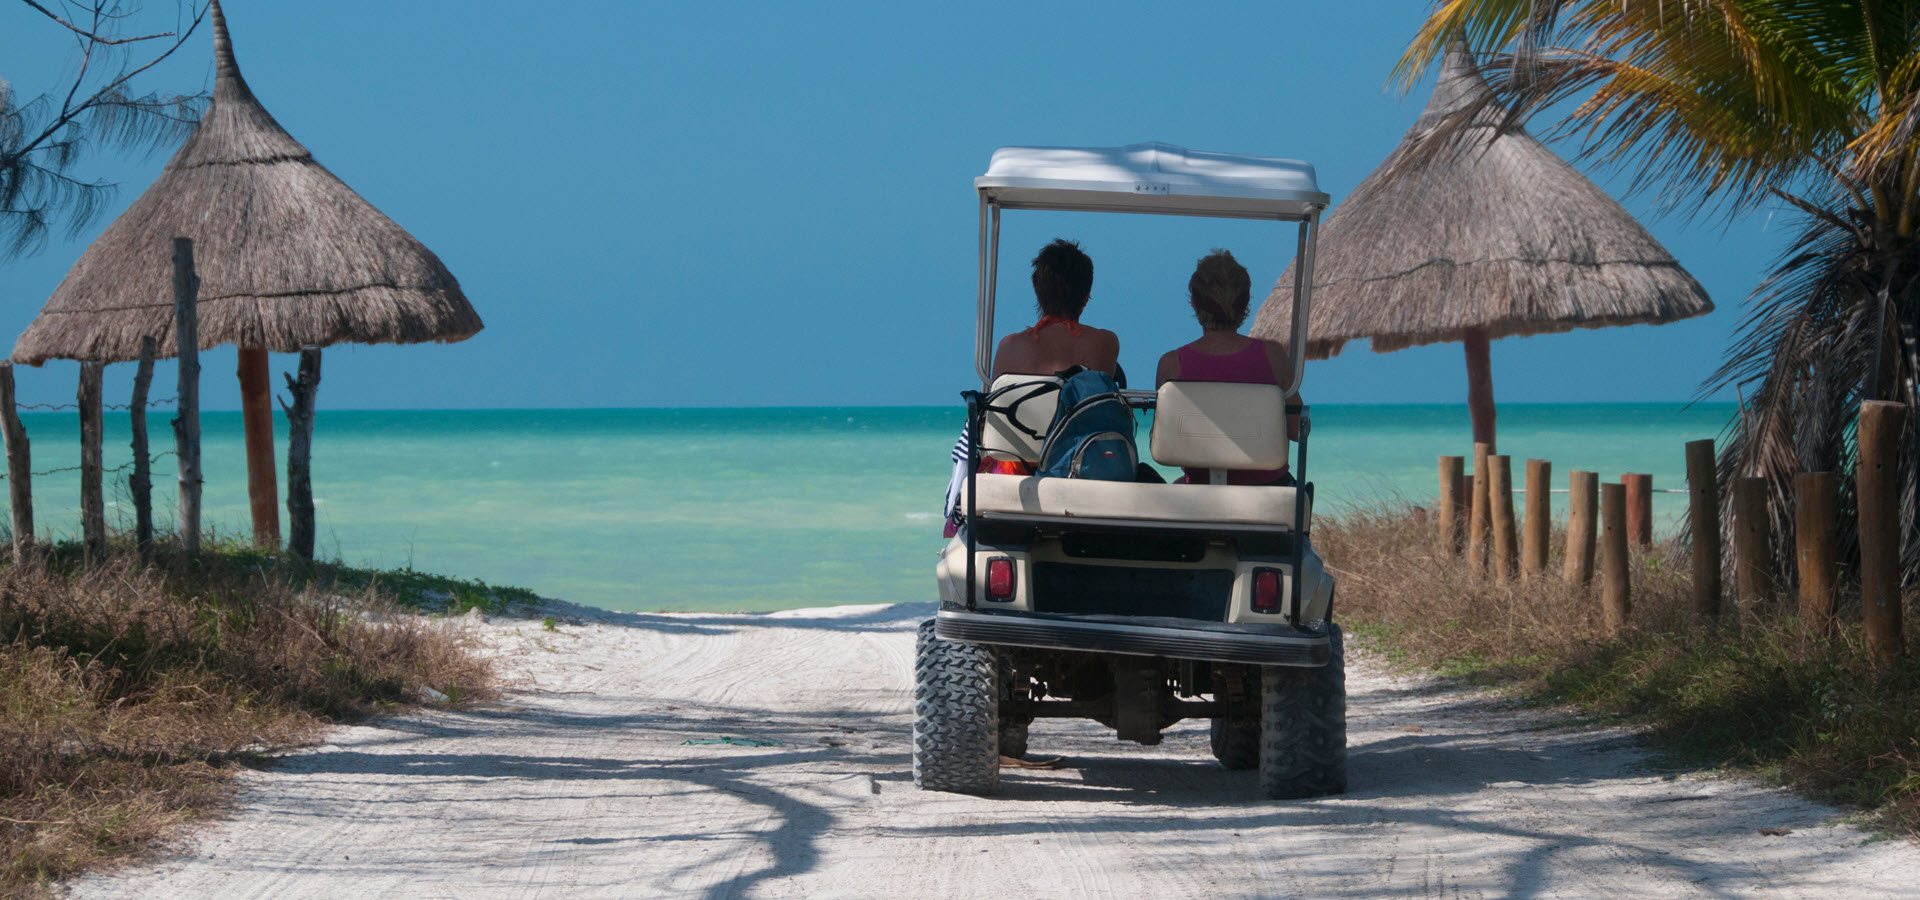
(755, 509)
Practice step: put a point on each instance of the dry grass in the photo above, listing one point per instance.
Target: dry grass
(1766, 694)
(130, 693)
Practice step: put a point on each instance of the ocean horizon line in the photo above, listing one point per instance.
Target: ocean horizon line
(898, 406)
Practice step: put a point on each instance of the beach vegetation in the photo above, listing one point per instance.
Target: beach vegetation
(132, 692)
(1719, 107)
(1761, 693)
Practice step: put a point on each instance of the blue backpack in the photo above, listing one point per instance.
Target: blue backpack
(1092, 431)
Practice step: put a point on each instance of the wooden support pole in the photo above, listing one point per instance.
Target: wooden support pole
(1882, 432)
(1583, 492)
(300, 525)
(1616, 596)
(1539, 522)
(140, 483)
(1639, 500)
(1752, 547)
(19, 466)
(1506, 550)
(1480, 512)
(1453, 513)
(1703, 497)
(93, 505)
(186, 423)
(1475, 343)
(256, 414)
(1815, 522)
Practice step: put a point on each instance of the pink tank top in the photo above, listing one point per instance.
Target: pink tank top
(1249, 365)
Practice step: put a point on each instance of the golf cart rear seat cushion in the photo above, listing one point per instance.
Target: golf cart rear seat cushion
(1220, 425)
(999, 438)
(1134, 501)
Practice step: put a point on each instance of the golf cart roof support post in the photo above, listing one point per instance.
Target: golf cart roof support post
(982, 320)
(989, 286)
(993, 289)
(1302, 299)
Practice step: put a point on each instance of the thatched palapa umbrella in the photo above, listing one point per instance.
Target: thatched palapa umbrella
(1492, 237)
(289, 259)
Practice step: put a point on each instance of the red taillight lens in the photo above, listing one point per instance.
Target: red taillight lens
(1266, 590)
(1000, 578)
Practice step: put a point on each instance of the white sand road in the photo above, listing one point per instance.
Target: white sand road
(582, 785)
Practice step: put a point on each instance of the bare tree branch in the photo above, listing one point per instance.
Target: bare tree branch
(42, 138)
(92, 36)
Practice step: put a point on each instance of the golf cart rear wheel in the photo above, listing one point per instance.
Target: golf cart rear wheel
(1303, 725)
(1236, 743)
(956, 722)
(1013, 740)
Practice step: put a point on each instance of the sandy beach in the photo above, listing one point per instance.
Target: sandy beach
(606, 773)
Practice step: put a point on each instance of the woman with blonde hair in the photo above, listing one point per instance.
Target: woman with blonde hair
(1219, 292)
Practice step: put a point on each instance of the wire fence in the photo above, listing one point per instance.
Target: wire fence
(113, 471)
(117, 407)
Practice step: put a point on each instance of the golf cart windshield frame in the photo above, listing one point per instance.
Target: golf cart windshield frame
(1306, 213)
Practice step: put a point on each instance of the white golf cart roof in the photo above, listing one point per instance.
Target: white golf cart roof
(1151, 178)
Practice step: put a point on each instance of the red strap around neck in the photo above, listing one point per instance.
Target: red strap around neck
(1073, 327)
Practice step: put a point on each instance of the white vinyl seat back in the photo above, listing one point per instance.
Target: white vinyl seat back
(1220, 425)
(1033, 406)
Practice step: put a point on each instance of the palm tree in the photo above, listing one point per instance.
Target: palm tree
(1723, 105)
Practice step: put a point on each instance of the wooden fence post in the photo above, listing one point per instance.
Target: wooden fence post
(186, 422)
(1882, 429)
(140, 483)
(1639, 509)
(1453, 515)
(93, 506)
(300, 526)
(1539, 523)
(1703, 498)
(1752, 547)
(19, 466)
(1584, 497)
(1815, 522)
(1506, 551)
(1479, 519)
(1616, 597)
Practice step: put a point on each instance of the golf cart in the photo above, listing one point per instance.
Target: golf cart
(1136, 604)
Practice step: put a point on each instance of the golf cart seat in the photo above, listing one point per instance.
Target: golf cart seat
(1202, 425)
(1032, 406)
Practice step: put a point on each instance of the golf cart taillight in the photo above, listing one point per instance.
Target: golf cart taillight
(1266, 590)
(1000, 578)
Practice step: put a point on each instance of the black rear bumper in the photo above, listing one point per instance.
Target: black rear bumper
(1279, 645)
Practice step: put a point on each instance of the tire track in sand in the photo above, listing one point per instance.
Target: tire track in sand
(582, 785)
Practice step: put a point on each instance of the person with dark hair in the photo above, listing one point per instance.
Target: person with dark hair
(1062, 282)
(1219, 292)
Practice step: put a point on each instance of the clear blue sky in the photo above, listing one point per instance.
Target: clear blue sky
(718, 204)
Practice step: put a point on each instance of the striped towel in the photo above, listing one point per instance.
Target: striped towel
(959, 479)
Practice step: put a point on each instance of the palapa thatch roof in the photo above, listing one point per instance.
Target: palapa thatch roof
(1496, 232)
(288, 255)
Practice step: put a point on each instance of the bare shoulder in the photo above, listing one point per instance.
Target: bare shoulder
(1169, 368)
(1276, 351)
(1280, 361)
(1009, 355)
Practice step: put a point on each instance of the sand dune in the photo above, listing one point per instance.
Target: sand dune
(584, 785)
